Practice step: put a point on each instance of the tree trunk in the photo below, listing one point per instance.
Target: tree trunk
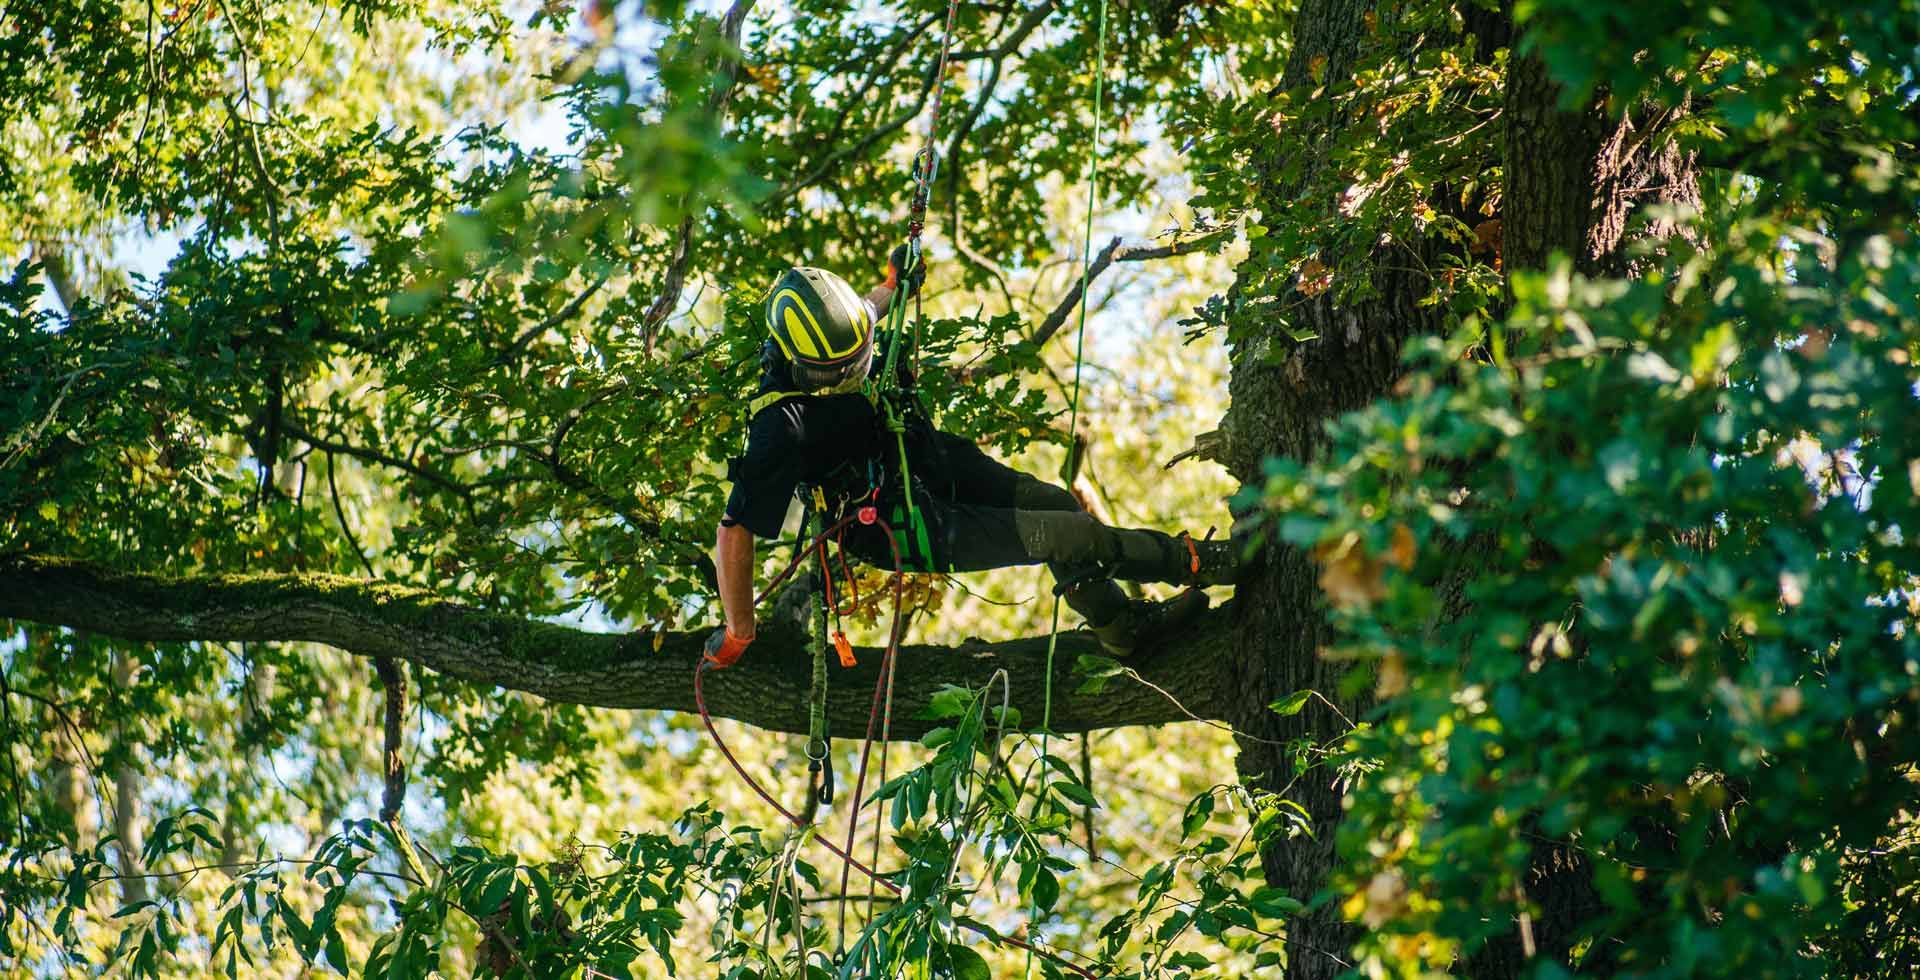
(1576, 182)
(1278, 408)
(1573, 181)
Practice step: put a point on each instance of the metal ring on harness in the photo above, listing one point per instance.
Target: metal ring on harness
(821, 789)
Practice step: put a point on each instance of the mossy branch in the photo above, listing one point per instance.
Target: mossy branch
(624, 670)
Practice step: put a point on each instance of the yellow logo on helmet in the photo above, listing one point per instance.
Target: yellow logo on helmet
(799, 334)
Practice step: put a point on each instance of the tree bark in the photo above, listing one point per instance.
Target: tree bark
(1279, 406)
(768, 689)
(1572, 182)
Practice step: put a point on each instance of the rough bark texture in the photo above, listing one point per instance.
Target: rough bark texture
(1573, 181)
(1278, 409)
(768, 689)
(1549, 200)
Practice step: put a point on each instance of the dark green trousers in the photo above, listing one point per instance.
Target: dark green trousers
(981, 514)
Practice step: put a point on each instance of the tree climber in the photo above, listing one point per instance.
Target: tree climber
(820, 432)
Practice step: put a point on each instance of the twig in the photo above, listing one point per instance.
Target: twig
(559, 317)
(1086, 779)
(376, 456)
(341, 513)
(883, 68)
(103, 798)
(1116, 251)
(1229, 729)
(1021, 32)
(827, 166)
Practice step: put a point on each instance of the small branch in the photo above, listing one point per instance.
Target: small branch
(340, 512)
(1116, 251)
(560, 316)
(1086, 779)
(375, 456)
(883, 68)
(834, 160)
(394, 791)
(676, 276)
(1025, 29)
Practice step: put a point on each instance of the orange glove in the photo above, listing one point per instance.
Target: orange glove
(916, 276)
(723, 647)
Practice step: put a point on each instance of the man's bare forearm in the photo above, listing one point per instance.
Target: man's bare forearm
(733, 565)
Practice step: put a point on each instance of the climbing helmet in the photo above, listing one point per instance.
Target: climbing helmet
(823, 327)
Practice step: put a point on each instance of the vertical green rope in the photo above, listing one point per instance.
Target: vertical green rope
(1080, 338)
(817, 694)
(1073, 401)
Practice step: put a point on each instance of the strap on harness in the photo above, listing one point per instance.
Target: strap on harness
(766, 400)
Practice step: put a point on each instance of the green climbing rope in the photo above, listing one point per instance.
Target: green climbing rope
(1079, 351)
(1080, 340)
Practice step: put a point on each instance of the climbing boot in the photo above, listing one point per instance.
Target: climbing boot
(1210, 562)
(1149, 556)
(1147, 624)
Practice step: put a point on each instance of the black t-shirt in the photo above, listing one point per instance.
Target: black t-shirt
(814, 439)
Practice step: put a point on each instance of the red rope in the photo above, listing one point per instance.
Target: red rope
(700, 701)
(893, 643)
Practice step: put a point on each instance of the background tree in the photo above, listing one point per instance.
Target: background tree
(1571, 352)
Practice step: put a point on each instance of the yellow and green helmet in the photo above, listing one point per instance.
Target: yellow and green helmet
(822, 326)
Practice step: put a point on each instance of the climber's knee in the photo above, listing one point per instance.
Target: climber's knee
(1063, 536)
(1038, 495)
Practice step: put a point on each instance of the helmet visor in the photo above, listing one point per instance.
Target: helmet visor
(839, 378)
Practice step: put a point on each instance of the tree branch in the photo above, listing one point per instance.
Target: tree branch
(768, 689)
(560, 316)
(835, 159)
(1116, 251)
(723, 86)
(1021, 32)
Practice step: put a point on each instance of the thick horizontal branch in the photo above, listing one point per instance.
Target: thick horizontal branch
(767, 689)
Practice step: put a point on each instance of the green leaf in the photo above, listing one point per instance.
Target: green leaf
(948, 702)
(337, 953)
(1045, 890)
(1198, 812)
(967, 964)
(1274, 903)
(1291, 704)
(1075, 792)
